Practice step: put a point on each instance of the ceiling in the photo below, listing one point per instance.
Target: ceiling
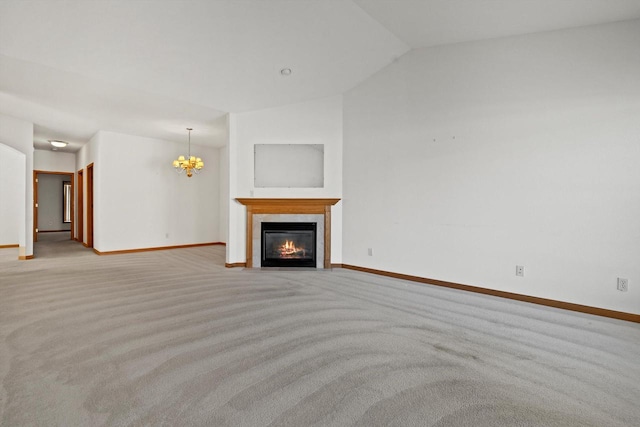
(154, 67)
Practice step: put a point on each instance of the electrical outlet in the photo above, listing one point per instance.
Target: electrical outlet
(623, 284)
(520, 270)
(370, 251)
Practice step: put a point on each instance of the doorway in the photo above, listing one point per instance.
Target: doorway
(53, 203)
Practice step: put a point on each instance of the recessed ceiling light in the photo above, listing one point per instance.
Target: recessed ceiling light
(58, 144)
(286, 71)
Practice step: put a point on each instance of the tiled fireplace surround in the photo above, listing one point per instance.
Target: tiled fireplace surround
(288, 210)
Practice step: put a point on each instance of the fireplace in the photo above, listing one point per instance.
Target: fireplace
(286, 210)
(288, 244)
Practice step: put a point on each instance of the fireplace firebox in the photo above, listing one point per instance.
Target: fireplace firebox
(288, 244)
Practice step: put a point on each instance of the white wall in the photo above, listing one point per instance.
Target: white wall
(49, 216)
(313, 122)
(88, 152)
(141, 202)
(223, 168)
(221, 140)
(12, 194)
(18, 134)
(54, 161)
(461, 162)
(84, 157)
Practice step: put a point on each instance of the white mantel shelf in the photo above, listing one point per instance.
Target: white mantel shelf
(289, 206)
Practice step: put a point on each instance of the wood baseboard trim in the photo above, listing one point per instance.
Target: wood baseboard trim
(9, 246)
(620, 315)
(235, 264)
(25, 257)
(159, 248)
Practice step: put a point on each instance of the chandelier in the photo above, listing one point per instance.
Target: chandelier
(191, 164)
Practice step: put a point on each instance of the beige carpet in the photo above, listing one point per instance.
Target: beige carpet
(172, 338)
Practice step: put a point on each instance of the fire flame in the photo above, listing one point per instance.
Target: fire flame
(290, 249)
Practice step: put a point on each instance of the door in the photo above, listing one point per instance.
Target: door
(80, 235)
(90, 205)
(35, 206)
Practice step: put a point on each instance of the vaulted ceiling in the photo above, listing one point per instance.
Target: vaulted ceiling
(154, 67)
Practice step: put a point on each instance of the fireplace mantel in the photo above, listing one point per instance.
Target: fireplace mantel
(289, 206)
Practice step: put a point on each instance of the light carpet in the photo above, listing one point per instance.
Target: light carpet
(172, 338)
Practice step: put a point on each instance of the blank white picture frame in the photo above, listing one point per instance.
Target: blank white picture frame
(289, 165)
